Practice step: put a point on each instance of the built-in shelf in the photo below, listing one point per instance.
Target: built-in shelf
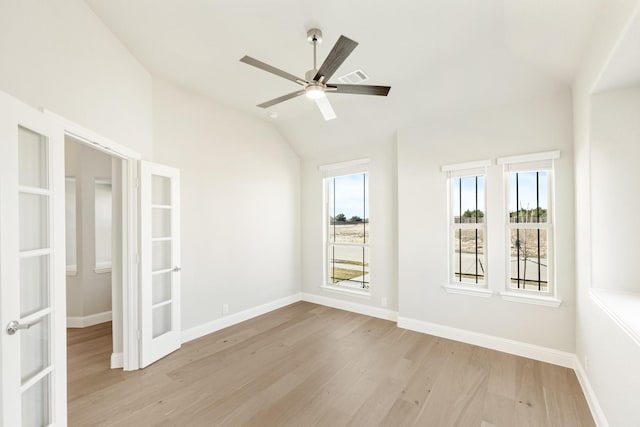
(622, 307)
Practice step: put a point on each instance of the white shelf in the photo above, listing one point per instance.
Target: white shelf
(622, 307)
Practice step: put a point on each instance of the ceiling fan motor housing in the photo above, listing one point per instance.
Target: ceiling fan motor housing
(314, 35)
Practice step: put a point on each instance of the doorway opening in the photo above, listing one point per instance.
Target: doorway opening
(93, 235)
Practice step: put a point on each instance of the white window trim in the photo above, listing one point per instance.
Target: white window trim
(462, 289)
(333, 170)
(550, 297)
(477, 168)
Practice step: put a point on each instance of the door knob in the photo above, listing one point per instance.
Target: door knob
(176, 269)
(14, 326)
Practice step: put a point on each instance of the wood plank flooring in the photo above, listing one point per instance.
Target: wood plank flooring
(309, 365)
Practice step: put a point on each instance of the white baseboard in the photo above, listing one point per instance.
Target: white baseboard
(235, 318)
(543, 354)
(368, 310)
(590, 395)
(117, 360)
(93, 319)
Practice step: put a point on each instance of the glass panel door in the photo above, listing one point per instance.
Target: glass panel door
(32, 274)
(160, 261)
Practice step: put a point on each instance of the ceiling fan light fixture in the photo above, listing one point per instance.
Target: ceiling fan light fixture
(314, 92)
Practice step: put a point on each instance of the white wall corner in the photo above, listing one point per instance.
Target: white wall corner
(590, 395)
(117, 360)
(93, 319)
(235, 318)
(368, 310)
(518, 348)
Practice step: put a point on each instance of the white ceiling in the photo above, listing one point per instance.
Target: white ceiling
(441, 57)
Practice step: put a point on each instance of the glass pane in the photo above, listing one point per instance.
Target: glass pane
(160, 190)
(34, 347)
(468, 256)
(468, 199)
(161, 320)
(32, 158)
(70, 221)
(34, 284)
(161, 287)
(161, 255)
(161, 222)
(36, 410)
(529, 266)
(103, 222)
(34, 224)
(528, 197)
(349, 266)
(349, 208)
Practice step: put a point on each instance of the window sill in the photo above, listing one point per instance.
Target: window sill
(102, 270)
(347, 291)
(622, 307)
(72, 270)
(468, 290)
(546, 301)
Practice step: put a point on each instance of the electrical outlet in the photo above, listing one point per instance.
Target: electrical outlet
(225, 308)
(383, 301)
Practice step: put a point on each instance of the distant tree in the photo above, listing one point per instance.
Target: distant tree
(355, 218)
(477, 213)
(341, 218)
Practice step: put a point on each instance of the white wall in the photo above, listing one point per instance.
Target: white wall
(240, 184)
(88, 292)
(58, 54)
(382, 208)
(615, 150)
(531, 126)
(612, 356)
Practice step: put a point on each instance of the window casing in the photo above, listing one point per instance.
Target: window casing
(467, 227)
(103, 223)
(530, 227)
(70, 230)
(347, 229)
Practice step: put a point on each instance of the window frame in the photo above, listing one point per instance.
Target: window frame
(537, 162)
(71, 230)
(102, 266)
(330, 172)
(455, 285)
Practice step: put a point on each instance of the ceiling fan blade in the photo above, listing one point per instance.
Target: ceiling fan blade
(340, 51)
(325, 108)
(270, 69)
(359, 89)
(280, 99)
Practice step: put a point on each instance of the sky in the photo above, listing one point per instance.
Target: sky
(350, 190)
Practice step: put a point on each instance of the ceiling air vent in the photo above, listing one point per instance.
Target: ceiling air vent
(354, 77)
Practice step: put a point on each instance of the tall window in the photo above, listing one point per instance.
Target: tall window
(530, 225)
(347, 226)
(103, 220)
(467, 227)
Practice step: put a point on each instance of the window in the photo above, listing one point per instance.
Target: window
(347, 230)
(530, 227)
(467, 224)
(103, 225)
(70, 233)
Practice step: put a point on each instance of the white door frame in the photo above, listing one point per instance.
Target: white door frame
(130, 232)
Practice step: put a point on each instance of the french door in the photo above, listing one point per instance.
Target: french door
(159, 261)
(32, 267)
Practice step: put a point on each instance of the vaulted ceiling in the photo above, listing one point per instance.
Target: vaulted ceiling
(440, 57)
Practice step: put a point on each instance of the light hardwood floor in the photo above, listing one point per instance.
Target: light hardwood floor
(308, 365)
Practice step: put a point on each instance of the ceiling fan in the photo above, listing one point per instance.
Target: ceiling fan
(315, 84)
